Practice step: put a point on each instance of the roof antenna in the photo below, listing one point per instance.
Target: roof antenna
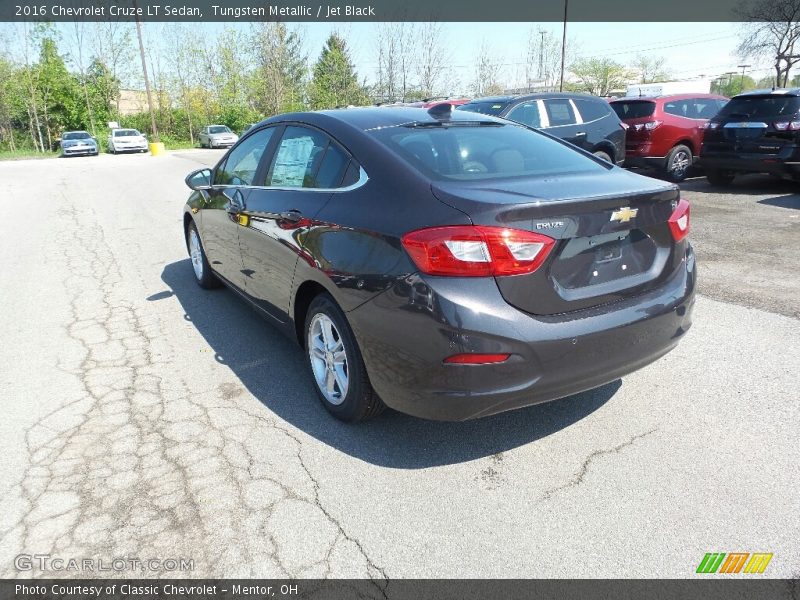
(442, 111)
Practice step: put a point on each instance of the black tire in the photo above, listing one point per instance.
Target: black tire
(206, 278)
(719, 177)
(360, 402)
(678, 163)
(603, 155)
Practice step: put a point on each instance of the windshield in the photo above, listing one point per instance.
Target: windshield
(482, 151)
(76, 135)
(126, 133)
(218, 129)
(634, 109)
(761, 107)
(485, 108)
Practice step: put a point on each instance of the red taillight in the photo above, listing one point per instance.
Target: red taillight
(646, 126)
(679, 221)
(787, 125)
(476, 359)
(476, 251)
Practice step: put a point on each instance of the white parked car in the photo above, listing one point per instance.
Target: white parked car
(217, 136)
(126, 140)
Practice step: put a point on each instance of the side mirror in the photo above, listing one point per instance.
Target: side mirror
(199, 180)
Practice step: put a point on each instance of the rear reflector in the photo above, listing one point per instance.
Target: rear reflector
(476, 359)
(477, 251)
(679, 221)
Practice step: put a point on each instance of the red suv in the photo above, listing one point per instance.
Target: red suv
(665, 132)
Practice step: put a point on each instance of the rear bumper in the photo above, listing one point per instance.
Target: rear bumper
(787, 163)
(405, 333)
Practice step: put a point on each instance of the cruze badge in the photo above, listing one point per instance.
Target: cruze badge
(624, 214)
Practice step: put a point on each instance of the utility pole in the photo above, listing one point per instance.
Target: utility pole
(144, 71)
(541, 58)
(741, 81)
(563, 47)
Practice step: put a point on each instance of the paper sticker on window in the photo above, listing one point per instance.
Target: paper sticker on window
(291, 162)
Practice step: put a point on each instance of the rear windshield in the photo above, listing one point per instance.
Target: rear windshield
(760, 107)
(219, 129)
(484, 108)
(468, 151)
(126, 133)
(633, 109)
(76, 135)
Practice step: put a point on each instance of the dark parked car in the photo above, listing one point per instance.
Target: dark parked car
(448, 265)
(581, 119)
(756, 132)
(665, 132)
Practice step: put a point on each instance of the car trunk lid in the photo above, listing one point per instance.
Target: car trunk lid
(611, 230)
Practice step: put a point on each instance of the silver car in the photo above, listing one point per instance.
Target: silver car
(126, 140)
(217, 136)
(74, 143)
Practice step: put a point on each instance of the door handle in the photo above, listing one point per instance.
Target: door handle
(293, 215)
(580, 134)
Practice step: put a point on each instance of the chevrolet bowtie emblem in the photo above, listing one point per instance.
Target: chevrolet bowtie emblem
(624, 214)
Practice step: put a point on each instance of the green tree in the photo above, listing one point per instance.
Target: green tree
(649, 69)
(59, 92)
(335, 82)
(278, 80)
(599, 76)
(732, 84)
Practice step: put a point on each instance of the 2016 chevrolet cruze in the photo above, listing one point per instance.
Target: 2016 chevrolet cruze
(447, 264)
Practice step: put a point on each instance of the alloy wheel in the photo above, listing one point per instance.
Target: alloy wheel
(196, 253)
(328, 358)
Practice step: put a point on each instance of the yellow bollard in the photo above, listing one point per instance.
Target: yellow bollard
(157, 148)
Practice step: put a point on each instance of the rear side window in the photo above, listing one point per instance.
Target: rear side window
(307, 158)
(526, 113)
(242, 162)
(704, 108)
(591, 110)
(633, 109)
(469, 151)
(761, 107)
(484, 108)
(679, 108)
(559, 112)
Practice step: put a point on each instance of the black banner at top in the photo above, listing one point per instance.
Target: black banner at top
(379, 10)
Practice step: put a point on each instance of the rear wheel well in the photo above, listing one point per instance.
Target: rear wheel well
(302, 300)
(686, 143)
(608, 148)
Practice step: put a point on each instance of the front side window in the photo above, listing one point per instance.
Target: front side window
(471, 151)
(526, 113)
(298, 158)
(242, 162)
(559, 112)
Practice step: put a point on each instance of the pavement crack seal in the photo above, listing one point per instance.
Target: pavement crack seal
(142, 464)
(580, 476)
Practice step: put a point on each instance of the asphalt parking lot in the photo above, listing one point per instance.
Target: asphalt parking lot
(144, 417)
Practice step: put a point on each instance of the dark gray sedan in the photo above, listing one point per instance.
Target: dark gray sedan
(447, 264)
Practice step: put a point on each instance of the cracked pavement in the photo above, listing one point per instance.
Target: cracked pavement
(144, 417)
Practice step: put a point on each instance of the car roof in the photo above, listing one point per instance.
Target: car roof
(75, 131)
(668, 97)
(372, 117)
(771, 92)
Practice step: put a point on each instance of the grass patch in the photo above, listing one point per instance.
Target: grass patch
(26, 154)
